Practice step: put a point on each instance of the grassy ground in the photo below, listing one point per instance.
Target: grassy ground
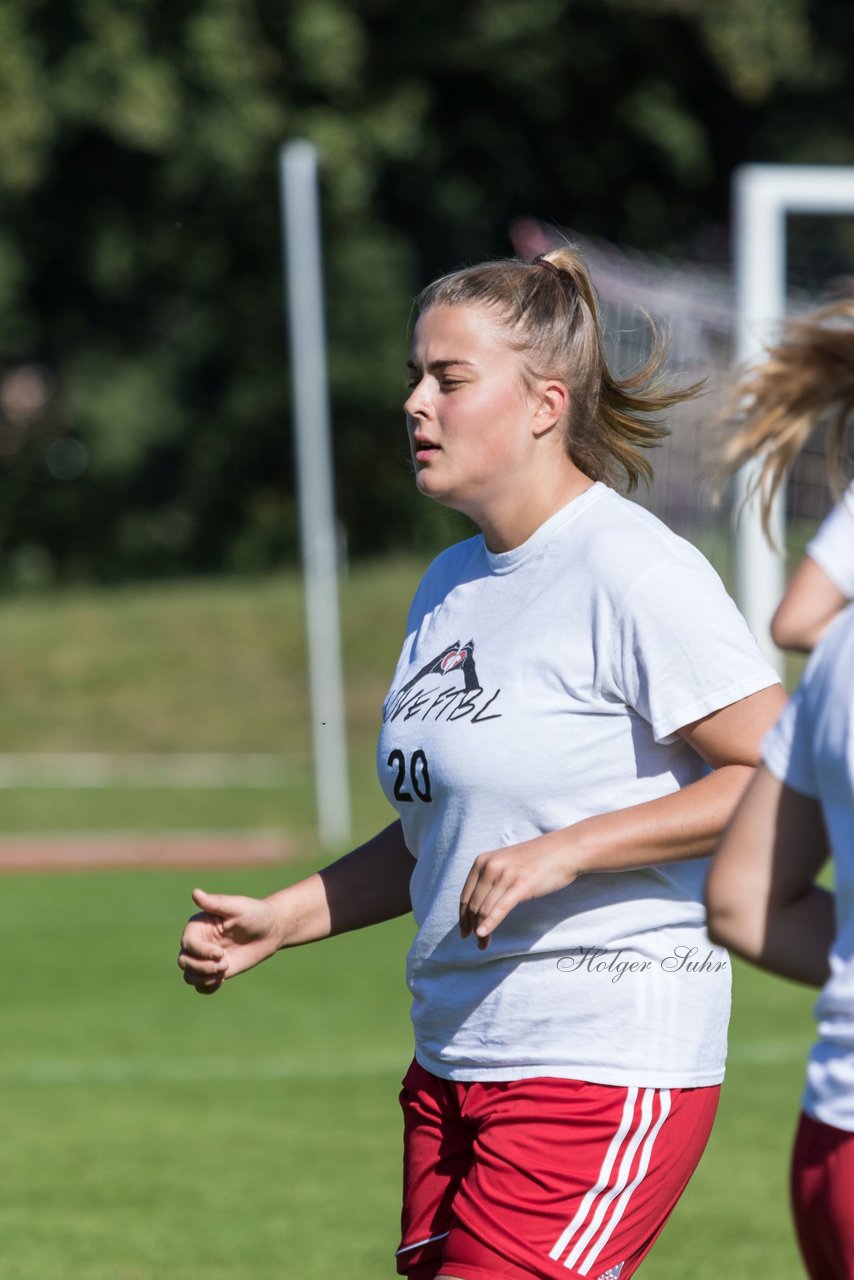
(150, 1134)
(209, 665)
(205, 667)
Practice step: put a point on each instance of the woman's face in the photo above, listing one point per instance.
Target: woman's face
(468, 412)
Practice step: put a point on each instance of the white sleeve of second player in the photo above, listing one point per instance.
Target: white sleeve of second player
(832, 548)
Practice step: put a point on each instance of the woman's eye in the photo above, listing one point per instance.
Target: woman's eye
(445, 384)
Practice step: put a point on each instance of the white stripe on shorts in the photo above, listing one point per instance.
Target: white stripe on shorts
(407, 1248)
(586, 1231)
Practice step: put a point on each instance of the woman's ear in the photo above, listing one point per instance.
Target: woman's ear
(551, 408)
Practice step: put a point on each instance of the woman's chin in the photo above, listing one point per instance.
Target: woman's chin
(429, 488)
(429, 484)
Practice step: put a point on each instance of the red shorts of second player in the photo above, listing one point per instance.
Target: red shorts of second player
(542, 1178)
(823, 1199)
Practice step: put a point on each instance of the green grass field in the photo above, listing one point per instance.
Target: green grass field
(153, 1135)
(210, 666)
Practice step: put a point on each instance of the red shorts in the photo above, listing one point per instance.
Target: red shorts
(822, 1199)
(541, 1178)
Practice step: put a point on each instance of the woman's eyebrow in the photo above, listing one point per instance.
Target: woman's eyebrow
(439, 364)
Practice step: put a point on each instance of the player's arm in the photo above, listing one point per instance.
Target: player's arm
(810, 604)
(232, 933)
(685, 824)
(761, 894)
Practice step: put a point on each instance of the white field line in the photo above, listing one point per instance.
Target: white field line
(69, 1071)
(62, 1071)
(94, 770)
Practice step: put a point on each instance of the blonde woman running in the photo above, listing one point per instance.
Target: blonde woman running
(576, 710)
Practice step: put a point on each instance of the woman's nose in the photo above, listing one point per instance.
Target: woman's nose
(417, 402)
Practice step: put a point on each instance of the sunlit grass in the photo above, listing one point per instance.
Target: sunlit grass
(215, 666)
(151, 1134)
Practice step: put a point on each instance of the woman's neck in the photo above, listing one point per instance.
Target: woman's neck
(518, 515)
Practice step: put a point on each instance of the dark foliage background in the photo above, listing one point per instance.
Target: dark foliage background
(144, 397)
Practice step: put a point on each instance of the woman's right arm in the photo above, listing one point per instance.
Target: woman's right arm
(810, 604)
(232, 933)
(822, 584)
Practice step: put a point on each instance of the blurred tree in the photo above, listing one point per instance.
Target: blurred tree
(143, 388)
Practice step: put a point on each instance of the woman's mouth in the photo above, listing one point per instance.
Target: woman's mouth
(424, 449)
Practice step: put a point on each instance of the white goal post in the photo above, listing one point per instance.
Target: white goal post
(763, 195)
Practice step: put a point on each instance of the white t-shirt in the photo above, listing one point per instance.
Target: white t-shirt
(832, 548)
(811, 749)
(536, 688)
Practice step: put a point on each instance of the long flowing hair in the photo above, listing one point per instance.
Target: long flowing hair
(807, 378)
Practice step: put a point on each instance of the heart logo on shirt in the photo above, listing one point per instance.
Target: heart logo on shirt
(453, 659)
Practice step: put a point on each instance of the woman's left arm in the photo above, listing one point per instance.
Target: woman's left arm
(684, 824)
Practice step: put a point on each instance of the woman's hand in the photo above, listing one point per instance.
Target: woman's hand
(500, 880)
(229, 935)
(232, 934)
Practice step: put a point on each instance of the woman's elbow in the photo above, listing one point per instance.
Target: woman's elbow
(722, 927)
(811, 602)
(729, 919)
(793, 633)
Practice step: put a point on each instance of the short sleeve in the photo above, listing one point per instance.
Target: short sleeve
(832, 548)
(686, 650)
(787, 749)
